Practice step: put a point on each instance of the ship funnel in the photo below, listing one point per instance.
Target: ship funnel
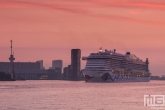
(147, 63)
(128, 53)
(114, 50)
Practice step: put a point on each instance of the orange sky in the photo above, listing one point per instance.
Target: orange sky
(49, 29)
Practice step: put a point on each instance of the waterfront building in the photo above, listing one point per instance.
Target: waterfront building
(75, 64)
(69, 72)
(41, 64)
(58, 73)
(57, 64)
(65, 73)
(24, 70)
(51, 74)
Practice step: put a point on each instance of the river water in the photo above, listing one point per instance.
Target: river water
(76, 95)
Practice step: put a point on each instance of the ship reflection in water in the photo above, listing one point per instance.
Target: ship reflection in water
(76, 95)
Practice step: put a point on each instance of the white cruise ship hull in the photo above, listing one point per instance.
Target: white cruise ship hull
(108, 76)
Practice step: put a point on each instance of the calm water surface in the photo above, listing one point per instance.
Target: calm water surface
(76, 95)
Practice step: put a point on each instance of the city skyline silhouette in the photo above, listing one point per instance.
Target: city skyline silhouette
(49, 30)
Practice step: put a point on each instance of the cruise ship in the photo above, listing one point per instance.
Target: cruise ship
(110, 66)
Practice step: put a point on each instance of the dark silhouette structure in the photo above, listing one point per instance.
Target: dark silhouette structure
(157, 78)
(69, 72)
(75, 64)
(147, 63)
(11, 58)
(5, 77)
(65, 73)
(57, 64)
(58, 73)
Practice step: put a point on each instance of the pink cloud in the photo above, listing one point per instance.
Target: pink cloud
(128, 4)
(128, 19)
(87, 11)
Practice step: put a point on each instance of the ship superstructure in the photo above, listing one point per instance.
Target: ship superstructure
(109, 65)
